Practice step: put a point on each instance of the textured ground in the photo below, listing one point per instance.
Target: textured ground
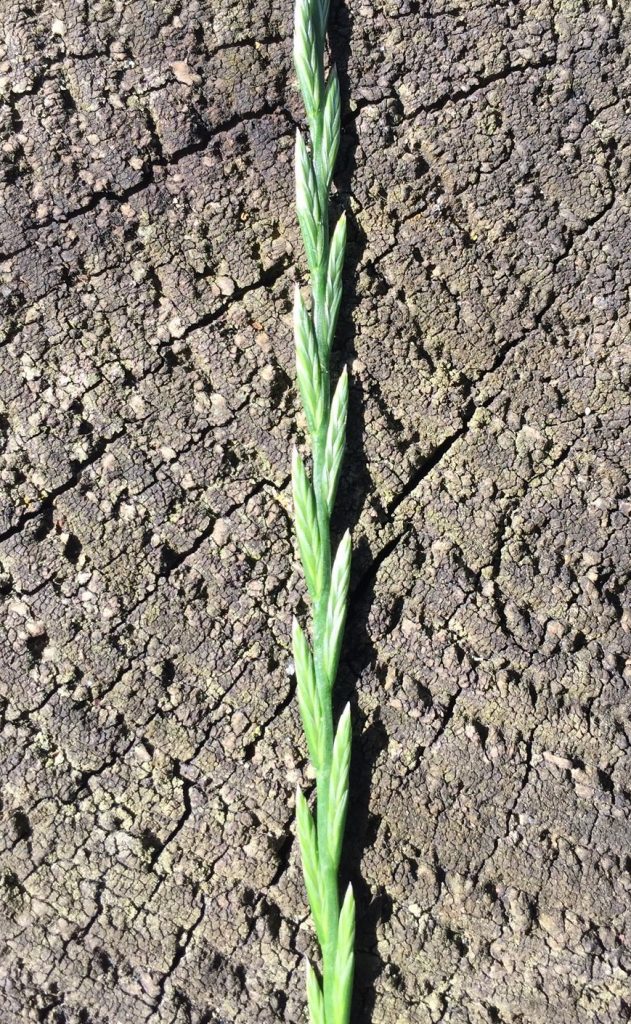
(150, 743)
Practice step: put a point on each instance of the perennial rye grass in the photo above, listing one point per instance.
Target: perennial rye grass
(327, 577)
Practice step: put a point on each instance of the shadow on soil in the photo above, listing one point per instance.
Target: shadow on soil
(358, 654)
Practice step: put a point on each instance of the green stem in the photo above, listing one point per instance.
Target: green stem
(327, 868)
(318, 441)
(335, 999)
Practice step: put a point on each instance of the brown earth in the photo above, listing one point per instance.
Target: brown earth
(150, 737)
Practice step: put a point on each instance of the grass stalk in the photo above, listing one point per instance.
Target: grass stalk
(327, 575)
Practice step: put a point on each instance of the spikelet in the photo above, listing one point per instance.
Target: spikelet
(344, 961)
(335, 441)
(308, 696)
(308, 206)
(307, 60)
(307, 530)
(330, 128)
(336, 607)
(308, 365)
(333, 293)
(338, 785)
(307, 841)
(315, 1001)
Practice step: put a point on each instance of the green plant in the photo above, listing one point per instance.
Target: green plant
(327, 581)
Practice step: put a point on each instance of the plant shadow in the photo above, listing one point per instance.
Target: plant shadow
(359, 654)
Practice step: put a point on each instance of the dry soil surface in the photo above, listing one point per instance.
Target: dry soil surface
(150, 742)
